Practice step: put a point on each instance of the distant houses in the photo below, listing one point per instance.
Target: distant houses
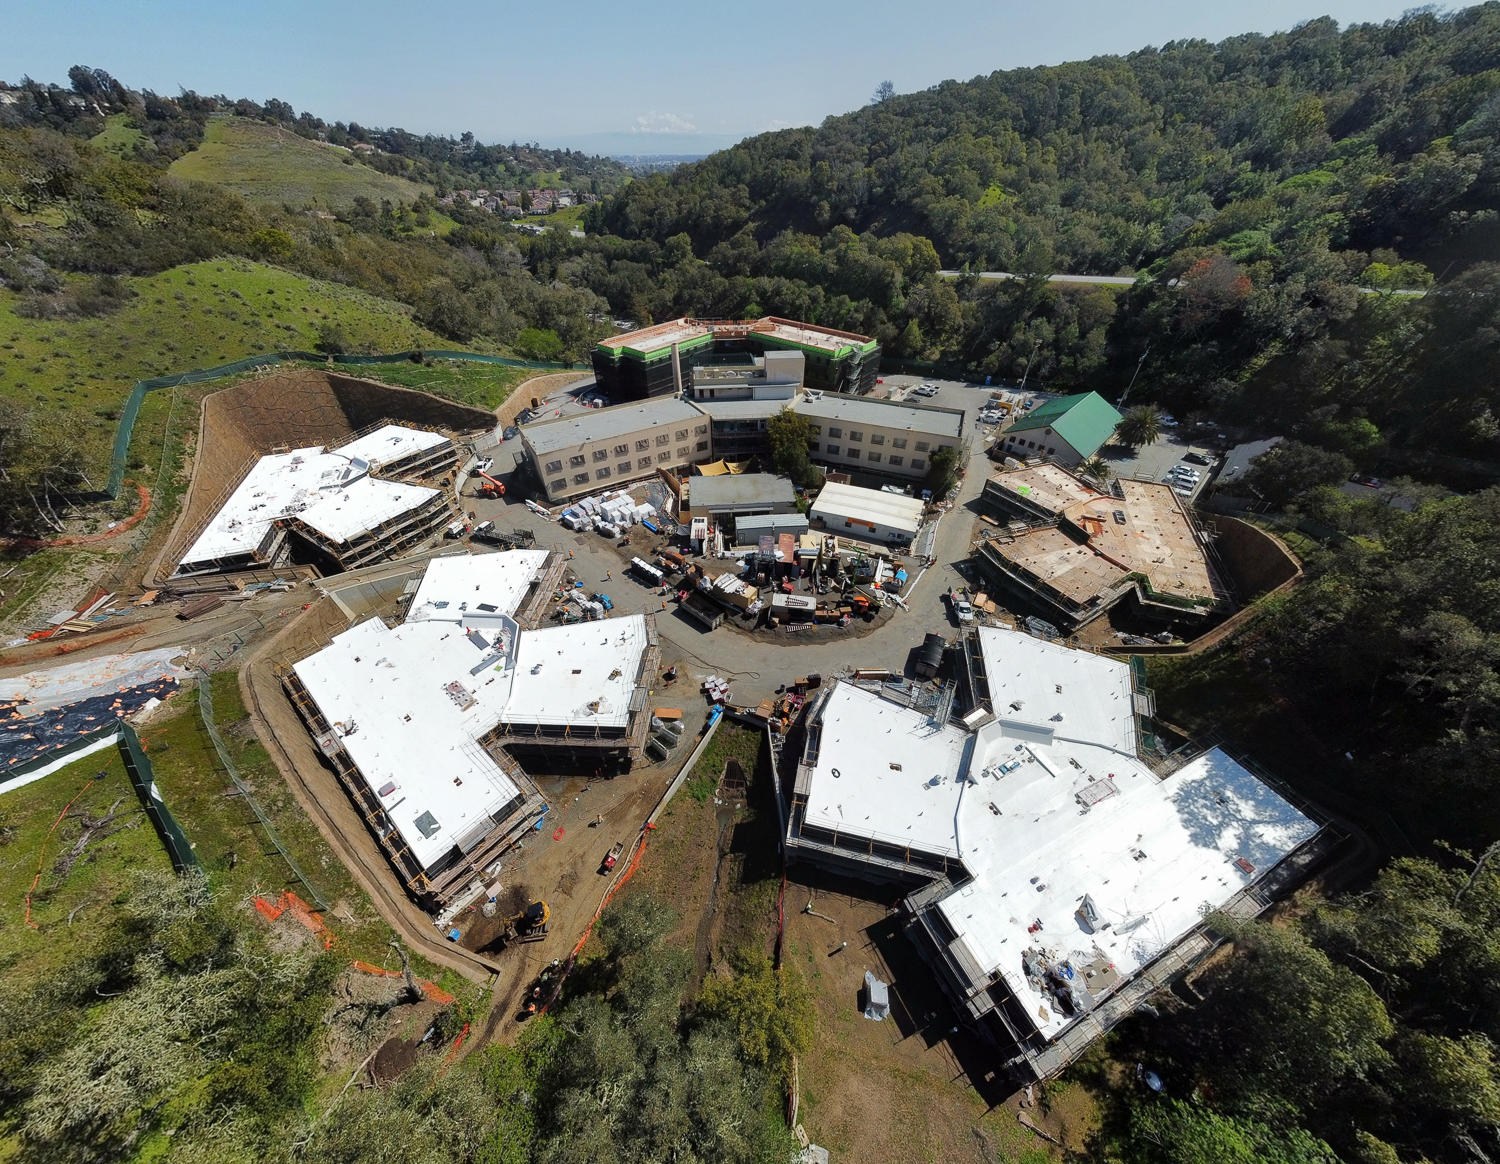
(508, 203)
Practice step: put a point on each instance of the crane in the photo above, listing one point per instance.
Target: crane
(489, 487)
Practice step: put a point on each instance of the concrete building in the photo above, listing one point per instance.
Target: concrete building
(867, 515)
(741, 427)
(879, 438)
(1056, 877)
(607, 447)
(425, 722)
(1069, 429)
(1072, 553)
(660, 360)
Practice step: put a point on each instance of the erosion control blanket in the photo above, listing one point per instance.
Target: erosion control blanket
(43, 711)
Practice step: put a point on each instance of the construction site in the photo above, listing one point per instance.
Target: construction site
(315, 472)
(1069, 551)
(1057, 866)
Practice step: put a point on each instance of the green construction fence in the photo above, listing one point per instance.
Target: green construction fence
(132, 408)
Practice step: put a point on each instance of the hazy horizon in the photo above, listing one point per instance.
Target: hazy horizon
(614, 83)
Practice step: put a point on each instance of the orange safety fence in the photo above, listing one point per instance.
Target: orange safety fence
(432, 990)
(299, 909)
(629, 872)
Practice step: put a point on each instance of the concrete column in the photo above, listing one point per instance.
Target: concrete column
(676, 371)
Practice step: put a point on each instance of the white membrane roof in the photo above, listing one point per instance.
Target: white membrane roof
(420, 695)
(343, 514)
(281, 485)
(391, 442)
(475, 588)
(1077, 814)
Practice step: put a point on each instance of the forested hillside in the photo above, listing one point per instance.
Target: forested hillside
(1270, 177)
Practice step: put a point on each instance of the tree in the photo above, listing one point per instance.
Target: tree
(883, 92)
(1292, 470)
(1139, 426)
(331, 339)
(942, 472)
(770, 1010)
(789, 434)
(1170, 1131)
(1097, 468)
(539, 343)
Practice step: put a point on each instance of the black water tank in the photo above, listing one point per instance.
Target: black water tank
(930, 657)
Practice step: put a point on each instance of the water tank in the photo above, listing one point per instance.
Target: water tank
(930, 655)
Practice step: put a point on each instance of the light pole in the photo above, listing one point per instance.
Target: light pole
(1028, 364)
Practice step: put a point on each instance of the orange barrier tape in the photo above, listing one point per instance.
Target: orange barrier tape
(42, 854)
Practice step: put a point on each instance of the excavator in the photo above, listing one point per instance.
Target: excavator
(488, 486)
(530, 925)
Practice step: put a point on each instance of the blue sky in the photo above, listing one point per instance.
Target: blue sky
(660, 76)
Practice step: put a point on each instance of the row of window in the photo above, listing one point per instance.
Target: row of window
(623, 469)
(1017, 442)
(662, 440)
(858, 436)
(896, 460)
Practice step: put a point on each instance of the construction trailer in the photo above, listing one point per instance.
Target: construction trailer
(1057, 869)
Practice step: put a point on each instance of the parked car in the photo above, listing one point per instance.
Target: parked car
(511, 433)
(1196, 458)
(925, 390)
(484, 465)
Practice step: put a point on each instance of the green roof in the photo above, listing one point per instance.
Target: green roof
(1085, 421)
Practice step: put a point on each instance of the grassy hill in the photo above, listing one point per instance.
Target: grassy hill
(265, 163)
(118, 135)
(194, 316)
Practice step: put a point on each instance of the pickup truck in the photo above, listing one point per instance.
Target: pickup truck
(962, 610)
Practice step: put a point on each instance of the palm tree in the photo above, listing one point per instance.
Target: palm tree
(1097, 468)
(1140, 426)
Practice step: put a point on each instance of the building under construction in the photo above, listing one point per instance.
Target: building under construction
(382, 492)
(429, 723)
(1071, 552)
(1058, 868)
(659, 360)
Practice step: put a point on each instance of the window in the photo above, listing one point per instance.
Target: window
(643, 463)
(663, 439)
(834, 432)
(681, 434)
(945, 448)
(817, 430)
(623, 468)
(557, 486)
(856, 435)
(601, 454)
(682, 453)
(872, 455)
(833, 450)
(664, 455)
(852, 454)
(576, 461)
(1051, 450)
(876, 439)
(601, 473)
(642, 445)
(580, 478)
(703, 446)
(896, 460)
(921, 446)
(898, 442)
(553, 466)
(701, 430)
(623, 450)
(918, 463)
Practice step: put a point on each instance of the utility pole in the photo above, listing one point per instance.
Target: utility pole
(1138, 365)
(1028, 363)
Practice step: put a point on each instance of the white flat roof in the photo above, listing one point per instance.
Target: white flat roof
(420, 695)
(877, 763)
(281, 485)
(889, 509)
(384, 693)
(571, 432)
(391, 442)
(921, 420)
(1079, 814)
(582, 674)
(362, 505)
(472, 588)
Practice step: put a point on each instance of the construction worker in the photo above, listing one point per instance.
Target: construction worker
(608, 575)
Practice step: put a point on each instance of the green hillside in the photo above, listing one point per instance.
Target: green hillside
(194, 316)
(266, 163)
